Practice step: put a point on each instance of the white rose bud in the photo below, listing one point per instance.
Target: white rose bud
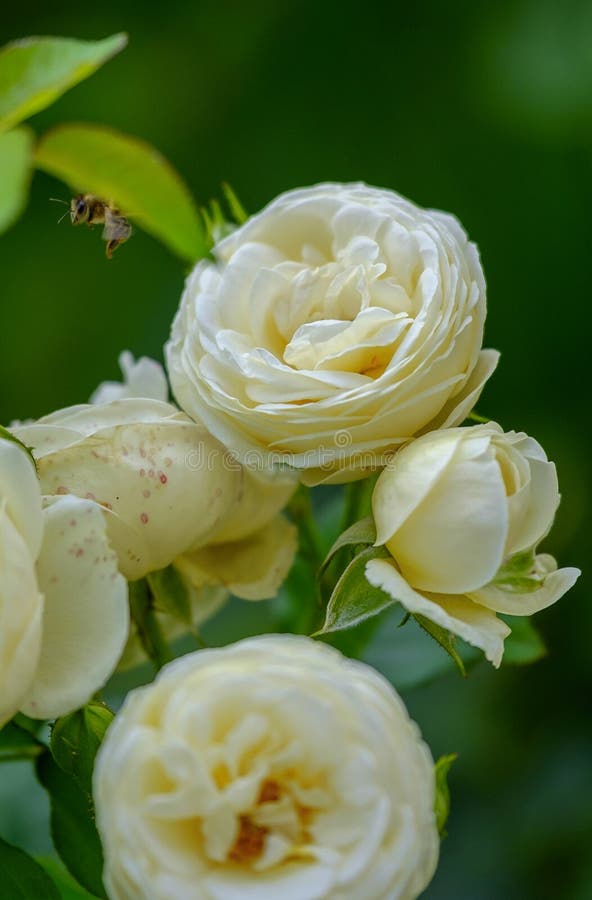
(165, 485)
(462, 511)
(272, 768)
(63, 605)
(332, 327)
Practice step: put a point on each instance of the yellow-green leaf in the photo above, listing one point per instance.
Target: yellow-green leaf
(442, 805)
(130, 173)
(16, 165)
(35, 71)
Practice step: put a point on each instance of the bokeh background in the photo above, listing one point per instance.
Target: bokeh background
(480, 108)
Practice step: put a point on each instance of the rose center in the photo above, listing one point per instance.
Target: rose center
(276, 813)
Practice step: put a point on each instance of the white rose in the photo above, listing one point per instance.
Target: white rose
(166, 486)
(63, 605)
(462, 511)
(332, 327)
(141, 378)
(272, 768)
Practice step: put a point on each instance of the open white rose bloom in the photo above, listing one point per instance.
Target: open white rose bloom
(462, 511)
(272, 768)
(63, 604)
(165, 485)
(330, 328)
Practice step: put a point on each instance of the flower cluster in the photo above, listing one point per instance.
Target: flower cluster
(334, 336)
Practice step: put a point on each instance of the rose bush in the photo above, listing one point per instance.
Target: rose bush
(330, 328)
(63, 604)
(462, 511)
(270, 768)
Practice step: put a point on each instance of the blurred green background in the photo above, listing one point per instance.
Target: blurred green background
(480, 108)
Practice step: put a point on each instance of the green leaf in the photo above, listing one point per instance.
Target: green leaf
(18, 743)
(445, 638)
(22, 878)
(35, 71)
(73, 829)
(68, 888)
(354, 599)
(16, 166)
(524, 645)
(170, 594)
(131, 174)
(362, 532)
(442, 806)
(76, 738)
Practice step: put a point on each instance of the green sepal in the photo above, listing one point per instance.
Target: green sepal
(515, 575)
(237, 210)
(76, 738)
(443, 637)
(442, 802)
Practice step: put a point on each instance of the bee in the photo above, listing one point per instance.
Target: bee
(90, 209)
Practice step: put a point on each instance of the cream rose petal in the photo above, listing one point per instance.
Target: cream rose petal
(19, 489)
(254, 568)
(86, 616)
(453, 542)
(396, 500)
(141, 378)
(470, 621)
(554, 584)
(161, 478)
(21, 611)
(542, 493)
(458, 408)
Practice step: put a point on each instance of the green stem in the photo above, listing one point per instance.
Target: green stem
(475, 417)
(358, 500)
(300, 509)
(25, 754)
(149, 630)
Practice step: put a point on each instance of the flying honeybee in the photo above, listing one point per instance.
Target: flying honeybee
(90, 209)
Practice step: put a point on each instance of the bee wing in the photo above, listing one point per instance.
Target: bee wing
(117, 228)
